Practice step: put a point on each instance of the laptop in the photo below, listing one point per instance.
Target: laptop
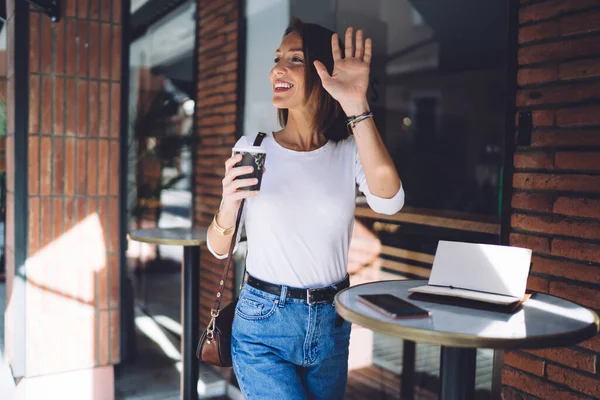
(481, 272)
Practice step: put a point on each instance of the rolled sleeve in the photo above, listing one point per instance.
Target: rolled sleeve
(386, 206)
(214, 253)
(378, 204)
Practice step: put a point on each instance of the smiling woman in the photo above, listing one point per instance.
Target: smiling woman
(287, 340)
(299, 48)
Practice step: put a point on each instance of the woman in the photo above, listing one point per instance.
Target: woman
(287, 341)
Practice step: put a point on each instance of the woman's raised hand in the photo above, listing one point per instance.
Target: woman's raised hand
(349, 81)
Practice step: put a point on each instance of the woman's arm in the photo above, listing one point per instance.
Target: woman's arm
(348, 84)
(218, 243)
(380, 171)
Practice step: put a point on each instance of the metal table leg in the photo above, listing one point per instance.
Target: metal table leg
(457, 373)
(189, 303)
(407, 390)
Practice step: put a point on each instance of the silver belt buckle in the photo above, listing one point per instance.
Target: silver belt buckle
(308, 297)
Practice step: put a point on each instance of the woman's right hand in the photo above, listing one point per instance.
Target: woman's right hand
(232, 196)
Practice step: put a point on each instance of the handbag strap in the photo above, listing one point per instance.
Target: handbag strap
(217, 303)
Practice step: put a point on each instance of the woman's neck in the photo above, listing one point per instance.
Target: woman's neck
(299, 133)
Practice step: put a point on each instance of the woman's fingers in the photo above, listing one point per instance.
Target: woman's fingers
(364, 48)
(232, 161)
(359, 44)
(335, 47)
(231, 185)
(235, 172)
(240, 183)
(243, 194)
(368, 50)
(348, 51)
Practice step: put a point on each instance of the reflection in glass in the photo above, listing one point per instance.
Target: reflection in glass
(161, 144)
(437, 87)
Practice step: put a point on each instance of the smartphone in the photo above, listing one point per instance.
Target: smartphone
(393, 306)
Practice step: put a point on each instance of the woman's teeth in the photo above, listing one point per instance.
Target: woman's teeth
(283, 85)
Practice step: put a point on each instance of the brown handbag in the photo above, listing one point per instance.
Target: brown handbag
(214, 346)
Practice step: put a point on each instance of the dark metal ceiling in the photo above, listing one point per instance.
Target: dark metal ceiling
(470, 32)
(149, 13)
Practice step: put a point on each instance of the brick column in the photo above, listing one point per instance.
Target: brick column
(217, 125)
(556, 200)
(62, 237)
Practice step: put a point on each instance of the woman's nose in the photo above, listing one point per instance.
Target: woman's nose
(278, 69)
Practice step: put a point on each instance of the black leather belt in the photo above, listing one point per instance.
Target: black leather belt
(312, 296)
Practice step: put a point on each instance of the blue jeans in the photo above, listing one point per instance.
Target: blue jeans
(286, 349)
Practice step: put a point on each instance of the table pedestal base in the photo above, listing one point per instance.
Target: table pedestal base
(409, 352)
(457, 373)
(189, 302)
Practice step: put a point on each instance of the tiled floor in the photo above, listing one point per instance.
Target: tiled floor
(376, 383)
(155, 373)
(388, 354)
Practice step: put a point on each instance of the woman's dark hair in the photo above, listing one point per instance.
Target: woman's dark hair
(316, 44)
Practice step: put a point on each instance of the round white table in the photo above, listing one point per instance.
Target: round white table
(542, 321)
(191, 239)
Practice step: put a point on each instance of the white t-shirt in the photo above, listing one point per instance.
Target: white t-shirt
(299, 226)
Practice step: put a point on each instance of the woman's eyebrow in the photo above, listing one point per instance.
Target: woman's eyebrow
(290, 50)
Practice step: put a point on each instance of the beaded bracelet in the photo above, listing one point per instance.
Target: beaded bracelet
(353, 120)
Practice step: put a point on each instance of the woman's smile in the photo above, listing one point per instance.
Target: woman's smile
(281, 86)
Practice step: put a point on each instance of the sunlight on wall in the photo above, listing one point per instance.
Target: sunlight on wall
(81, 250)
(61, 299)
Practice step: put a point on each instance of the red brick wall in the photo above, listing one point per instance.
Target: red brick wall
(556, 200)
(216, 125)
(72, 274)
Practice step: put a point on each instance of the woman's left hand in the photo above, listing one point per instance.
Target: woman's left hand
(350, 79)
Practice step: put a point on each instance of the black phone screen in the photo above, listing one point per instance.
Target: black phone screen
(392, 305)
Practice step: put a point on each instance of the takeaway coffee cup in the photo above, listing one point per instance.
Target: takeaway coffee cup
(252, 156)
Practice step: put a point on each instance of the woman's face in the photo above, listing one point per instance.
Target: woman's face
(287, 75)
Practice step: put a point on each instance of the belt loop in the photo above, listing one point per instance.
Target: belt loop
(283, 296)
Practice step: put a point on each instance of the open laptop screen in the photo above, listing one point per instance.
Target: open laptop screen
(481, 267)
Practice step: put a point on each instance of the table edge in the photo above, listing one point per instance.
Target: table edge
(173, 242)
(466, 341)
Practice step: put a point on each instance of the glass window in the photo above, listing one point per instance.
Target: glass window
(161, 144)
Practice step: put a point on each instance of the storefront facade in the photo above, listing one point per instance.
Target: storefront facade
(512, 118)
(490, 110)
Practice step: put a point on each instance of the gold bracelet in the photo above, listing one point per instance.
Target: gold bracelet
(219, 229)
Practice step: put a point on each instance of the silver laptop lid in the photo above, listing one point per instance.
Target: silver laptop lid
(482, 267)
